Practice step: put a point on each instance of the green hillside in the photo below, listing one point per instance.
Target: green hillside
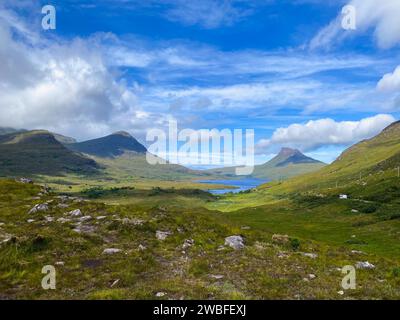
(38, 152)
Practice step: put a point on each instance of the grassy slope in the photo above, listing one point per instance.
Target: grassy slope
(38, 152)
(255, 272)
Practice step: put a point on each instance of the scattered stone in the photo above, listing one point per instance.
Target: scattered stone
(310, 255)
(75, 213)
(312, 276)
(160, 294)
(341, 292)
(101, 217)
(141, 247)
(343, 196)
(84, 218)
(281, 239)
(235, 242)
(135, 222)
(63, 220)
(62, 205)
(216, 276)
(357, 252)
(354, 211)
(60, 263)
(30, 220)
(84, 229)
(306, 279)
(162, 235)
(364, 265)
(114, 283)
(188, 243)
(25, 180)
(282, 255)
(39, 207)
(111, 251)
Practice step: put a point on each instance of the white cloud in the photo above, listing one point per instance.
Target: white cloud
(381, 16)
(325, 132)
(66, 87)
(390, 82)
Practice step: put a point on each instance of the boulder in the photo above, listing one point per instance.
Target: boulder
(188, 243)
(162, 235)
(75, 213)
(111, 251)
(39, 207)
(235, 242)
(364, 265)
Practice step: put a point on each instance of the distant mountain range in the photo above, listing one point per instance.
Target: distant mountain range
(288, 163)
(113, 145)
(39, 152)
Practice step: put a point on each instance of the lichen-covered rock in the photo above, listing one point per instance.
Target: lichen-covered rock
(39, 207)
(364, 265)
(235, 242)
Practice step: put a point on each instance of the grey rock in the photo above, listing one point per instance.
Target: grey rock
(39, 208)
(235, 242)
(188, 243)
(162, 235)
(364, 265)
(111, 251)
(75, 213)
(310, 255)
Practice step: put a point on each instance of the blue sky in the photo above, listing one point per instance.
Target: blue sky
(283, 68)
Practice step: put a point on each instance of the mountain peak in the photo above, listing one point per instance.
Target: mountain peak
(287, 152)
(113, 145)
(122, 133)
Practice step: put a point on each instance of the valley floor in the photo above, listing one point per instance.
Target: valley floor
(164, 244)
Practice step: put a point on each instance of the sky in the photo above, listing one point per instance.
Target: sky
(287, 69)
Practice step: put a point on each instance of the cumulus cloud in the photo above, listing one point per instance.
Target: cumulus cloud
(325, 132)
(63, 86)
(390, 82)
(381, 16)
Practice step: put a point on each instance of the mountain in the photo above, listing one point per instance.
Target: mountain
(38, 152)
(7, 130)
(113, 145)
(63, 139)
(288, 163)
(370, 167)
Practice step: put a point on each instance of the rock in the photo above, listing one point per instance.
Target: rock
(221, 248)
(84, 218)
(60, 263)
(101, 217)
(357, 252)
(354, 211)
(343, 196)
(279, 238)
(364, 265)
(84, 229)
(30, 220)
(245, 228)
(282, 255)
(162, 235)
(141, 247)
(341, 292)
(2, 224)
(135, 222)
(311, 276)
(188, 243)
(114, 283)
(161, 294)
(111, 251)
(75, 213)
(39, 207)
(25, 180)
(62, 205)
(310, 255)
(216, 276)
(63, 220)
(235, 242)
